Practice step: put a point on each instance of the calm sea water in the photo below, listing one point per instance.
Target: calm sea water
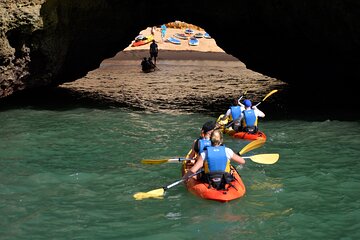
(71, 174)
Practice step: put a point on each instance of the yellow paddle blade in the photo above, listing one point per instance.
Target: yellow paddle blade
(268, 158)
(269, 94)
(157, 193)
(252, 145)
(154, 161)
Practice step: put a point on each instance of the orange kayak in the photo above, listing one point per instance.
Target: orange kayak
(139, 41)
(201, 189)
(246, 135)
(240, 135)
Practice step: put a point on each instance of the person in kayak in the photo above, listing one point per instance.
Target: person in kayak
(234, 112)
(215, 160)
(249, 117)
(204, 139)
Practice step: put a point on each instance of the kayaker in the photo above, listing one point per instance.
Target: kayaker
(249, 117)
(204, 140)
(235, 113)
(216, 162)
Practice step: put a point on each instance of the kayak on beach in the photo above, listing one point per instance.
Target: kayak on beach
(181, 36)
(142, 40)
(173, 40)
(202, 189)
(193, 41)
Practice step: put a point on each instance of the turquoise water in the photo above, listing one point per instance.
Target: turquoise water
(71, 174)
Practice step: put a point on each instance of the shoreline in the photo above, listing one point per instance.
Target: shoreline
(139, 54)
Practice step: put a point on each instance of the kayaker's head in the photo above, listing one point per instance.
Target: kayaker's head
(153, 41)
(235, 102)
(208, 127)
(144, 58)
(247, 103)
(216, 138)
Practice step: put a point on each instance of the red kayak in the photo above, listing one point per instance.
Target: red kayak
(142, 40)
(201, 189)
(240, 135)
(246, 135)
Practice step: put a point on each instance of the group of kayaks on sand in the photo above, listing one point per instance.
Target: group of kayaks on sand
(207, 169)
(149, 64)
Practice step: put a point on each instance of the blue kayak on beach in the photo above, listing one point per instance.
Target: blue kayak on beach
(173, 40)
(206, 35)
(193, 41)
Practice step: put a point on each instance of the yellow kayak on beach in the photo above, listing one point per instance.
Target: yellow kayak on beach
(142, 40)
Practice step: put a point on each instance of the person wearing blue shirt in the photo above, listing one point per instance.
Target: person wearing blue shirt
(163, 32)
(204, 139)
(249, 117)
(234, 114)
(215, 160)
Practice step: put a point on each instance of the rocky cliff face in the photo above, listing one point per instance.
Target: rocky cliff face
(313, 45)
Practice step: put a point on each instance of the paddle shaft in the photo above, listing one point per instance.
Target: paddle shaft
(181, 180)
(269, 94)
(259, 158)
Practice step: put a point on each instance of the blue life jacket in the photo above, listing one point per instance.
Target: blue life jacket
(235, 112)
(203, 143)
(216, 160)
(250, 119)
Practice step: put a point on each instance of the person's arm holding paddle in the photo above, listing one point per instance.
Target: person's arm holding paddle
(258, 112)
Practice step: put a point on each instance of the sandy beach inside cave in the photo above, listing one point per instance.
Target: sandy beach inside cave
(199, 78)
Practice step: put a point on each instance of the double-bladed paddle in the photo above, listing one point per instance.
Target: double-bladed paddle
(267, 158)
(251, 146)
(159, 193)
(268, 95)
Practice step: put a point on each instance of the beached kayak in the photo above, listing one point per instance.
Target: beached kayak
(193, 41)
(234, 191)
(142, 40)
(173, 40)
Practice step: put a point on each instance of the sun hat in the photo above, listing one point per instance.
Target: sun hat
(247, 103)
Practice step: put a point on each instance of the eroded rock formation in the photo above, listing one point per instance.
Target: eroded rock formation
(313, 45)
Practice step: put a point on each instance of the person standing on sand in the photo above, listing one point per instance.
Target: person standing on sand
(163, 32)
(152, 31)
(154, 51)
